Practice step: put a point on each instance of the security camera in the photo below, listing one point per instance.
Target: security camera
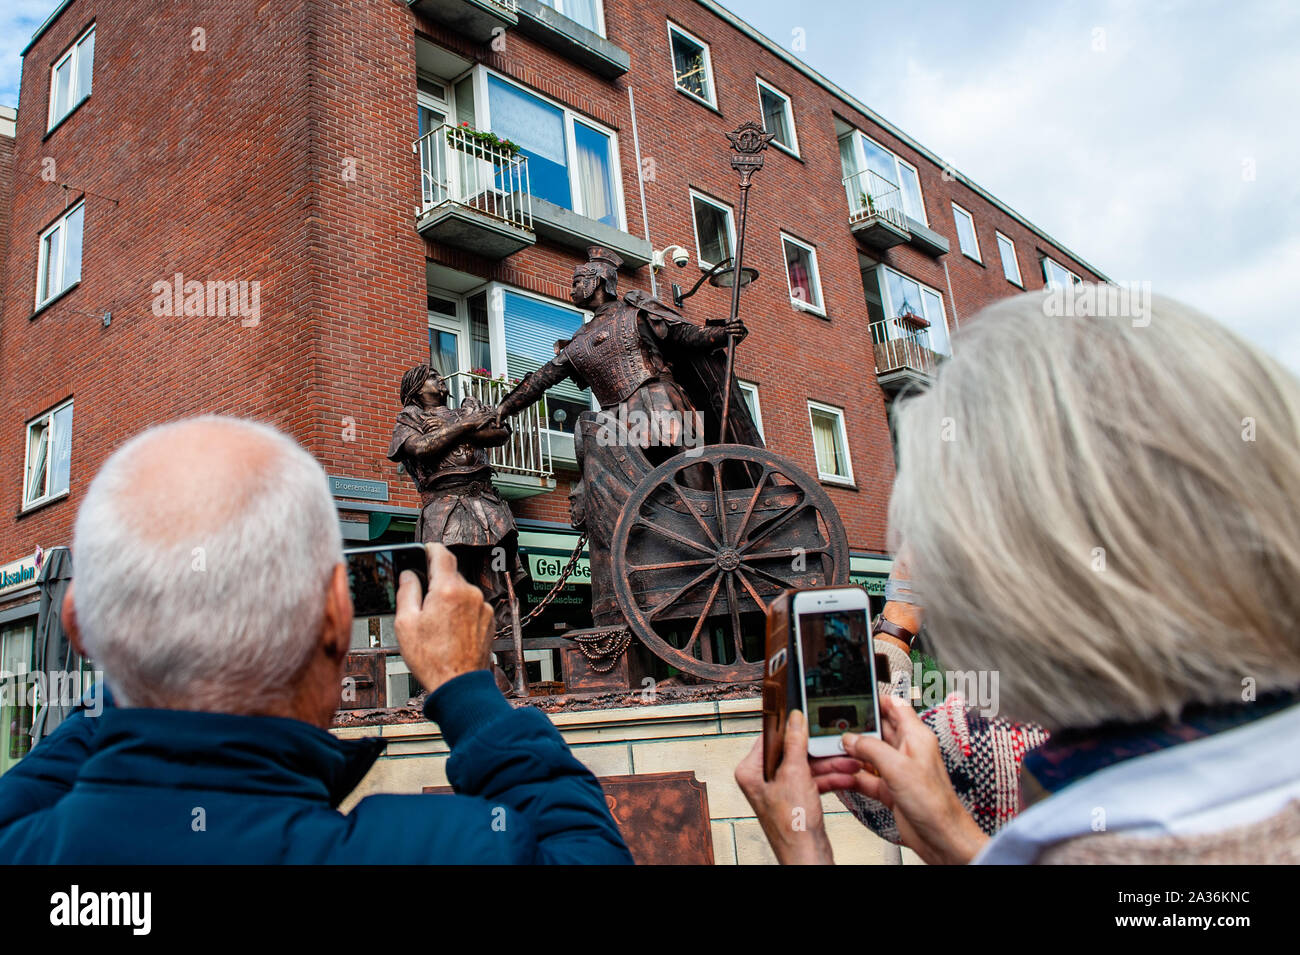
(674, 253)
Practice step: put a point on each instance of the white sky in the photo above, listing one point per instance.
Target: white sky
(1159, 140)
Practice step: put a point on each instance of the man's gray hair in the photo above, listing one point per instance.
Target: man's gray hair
(220, 608)
(1105, 511)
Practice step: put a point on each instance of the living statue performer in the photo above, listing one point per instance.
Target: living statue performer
(444, 450)
(654, 373)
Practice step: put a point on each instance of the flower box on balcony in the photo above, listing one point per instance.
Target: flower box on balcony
(480, 144)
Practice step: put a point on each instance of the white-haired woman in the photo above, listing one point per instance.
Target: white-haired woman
(1105, 512)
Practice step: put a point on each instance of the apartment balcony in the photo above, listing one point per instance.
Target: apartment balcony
(904, 358)
(477, 19)
(523, 464)
(571, 39)
(474, 194)
(876, 213)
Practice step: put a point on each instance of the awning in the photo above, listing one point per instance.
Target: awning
(53, 648)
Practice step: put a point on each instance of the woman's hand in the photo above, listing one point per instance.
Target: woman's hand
(789, 808)
(905, 772)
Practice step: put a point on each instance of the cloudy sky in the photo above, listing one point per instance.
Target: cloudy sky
(1159, 140)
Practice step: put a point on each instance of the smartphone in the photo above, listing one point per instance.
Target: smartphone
(837, 683)
(374, 573)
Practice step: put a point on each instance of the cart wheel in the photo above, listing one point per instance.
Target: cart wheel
(695, 562)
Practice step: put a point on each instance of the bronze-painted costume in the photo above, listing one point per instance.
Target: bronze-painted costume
(636, 355)
(460, 507)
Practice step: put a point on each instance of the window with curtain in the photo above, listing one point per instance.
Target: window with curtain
(908, 298)
(801, 273)
(778, 118)
(692, 72)
(829, 443)
(583, 12)
(59, 257)
(712, 231)
(16, 711)
(49, 456)
(532, 327)
(543, 131)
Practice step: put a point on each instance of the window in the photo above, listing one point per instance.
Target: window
(59, 261)
(48, 463)
(907, 300)
(778, 117)
(531, 327)
(829, 444)
(1010, 264)
(1058, 276)
(692, 71)
(715, 233)
(16, 692)
(970, 243)
(801, 274)
(587, 13)
(866, 163)
(571, 161)
(749, 391)
(70, 77)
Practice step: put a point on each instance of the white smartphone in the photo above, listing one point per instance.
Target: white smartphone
(838, 661)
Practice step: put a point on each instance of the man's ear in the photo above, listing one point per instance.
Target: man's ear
(336, 635)
(68, 618)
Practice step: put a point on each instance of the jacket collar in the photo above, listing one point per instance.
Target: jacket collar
(268, 755)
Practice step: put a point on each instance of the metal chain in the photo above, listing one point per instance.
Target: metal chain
(602, 648)
(564, 576)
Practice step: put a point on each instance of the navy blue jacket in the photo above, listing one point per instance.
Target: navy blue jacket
(170, 786)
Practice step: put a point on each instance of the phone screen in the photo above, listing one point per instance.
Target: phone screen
(373, 575)
(838, 683)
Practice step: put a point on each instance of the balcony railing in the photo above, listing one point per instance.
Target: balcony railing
(457, 168)
(528, 452)
(876, 210)
(902, 348)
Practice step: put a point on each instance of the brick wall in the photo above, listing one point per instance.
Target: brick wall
(281, 153)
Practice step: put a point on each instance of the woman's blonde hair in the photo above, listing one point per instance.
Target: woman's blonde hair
(1106, 511)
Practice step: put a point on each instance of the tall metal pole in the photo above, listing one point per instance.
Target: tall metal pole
(749, 140)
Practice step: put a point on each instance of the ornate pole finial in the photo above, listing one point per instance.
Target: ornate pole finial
(749, 140)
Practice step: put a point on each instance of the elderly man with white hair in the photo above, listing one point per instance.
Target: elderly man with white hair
(211, 590)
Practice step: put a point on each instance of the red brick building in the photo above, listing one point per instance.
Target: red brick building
(285, 168)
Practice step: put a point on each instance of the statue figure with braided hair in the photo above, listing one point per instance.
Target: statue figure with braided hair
(444, 450)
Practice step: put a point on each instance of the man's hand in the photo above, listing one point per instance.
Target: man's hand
(446, 632)
(736, 330)
(905, 773)
(789, 807)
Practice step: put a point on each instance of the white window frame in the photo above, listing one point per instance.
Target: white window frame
(483, 119)
(561, 442)
(46, 496)
(860, 159)
(705, 265)
(842, 433)
(1070, 272)
(73, 80)
(959, 211)
(887, 301)
(558, 7)
(712, 101)
(1015, 258)
(793, 148)
(41, 254)
(751, 389)
(800, 304)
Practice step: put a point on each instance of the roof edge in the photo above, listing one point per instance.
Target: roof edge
(49, 21)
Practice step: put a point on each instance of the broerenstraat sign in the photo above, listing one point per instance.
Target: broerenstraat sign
(18, 575)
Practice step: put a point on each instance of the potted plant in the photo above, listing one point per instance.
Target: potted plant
(477, 142)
